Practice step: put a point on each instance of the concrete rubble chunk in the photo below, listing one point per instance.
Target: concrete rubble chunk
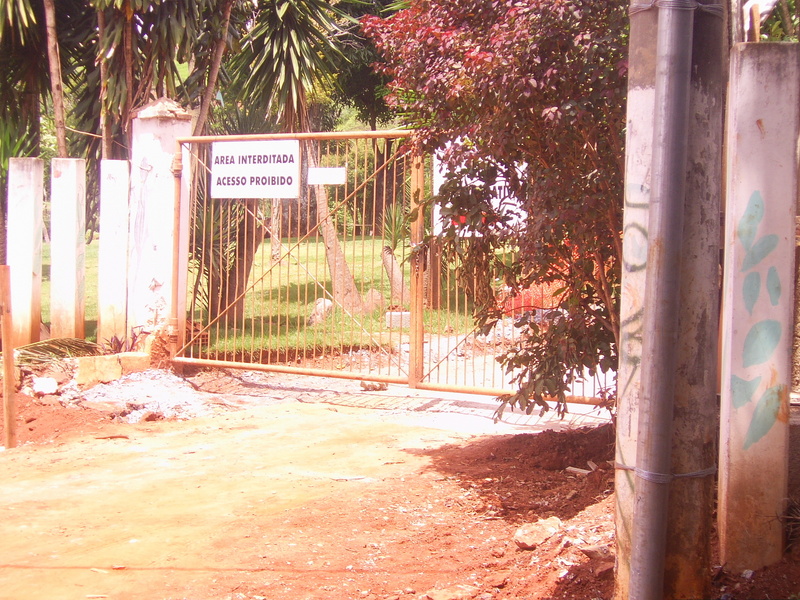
(456, 592)
(43, 386)
(596, 551)
(531, 535)
(498, 579)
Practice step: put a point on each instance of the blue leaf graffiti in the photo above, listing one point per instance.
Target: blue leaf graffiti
(773, 286)
(761, 341)
(765, 414)
(759, 251)
(742, 390)
(752, 216)
(764, 336)
(751, 289)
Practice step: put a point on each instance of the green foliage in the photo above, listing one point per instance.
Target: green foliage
(396, 226)
(358, 84)
(783, 24)
(117, 344)
(288, 50)
(530, 96)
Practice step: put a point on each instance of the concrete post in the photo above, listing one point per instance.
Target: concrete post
(67, 247)
(638, 158)
(695, 413)
(24, 246)
(762, 187)
(113, 254)
(156, 127)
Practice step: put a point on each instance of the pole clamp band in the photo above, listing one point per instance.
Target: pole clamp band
(664, 477)
(714, 9)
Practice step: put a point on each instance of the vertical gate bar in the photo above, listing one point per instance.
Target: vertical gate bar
(311, 277)
(227, 321)
(208, 234)
(258, 298)
(191, 306)
(392, 359)
(285, 274)
(366, 268)
(416, 362)
(219, 222)
(375, 328)
(172, 329)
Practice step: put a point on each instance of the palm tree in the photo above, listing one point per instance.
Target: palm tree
(289, 50)
(56, 84)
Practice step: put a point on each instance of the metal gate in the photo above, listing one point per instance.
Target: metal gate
(327, 283)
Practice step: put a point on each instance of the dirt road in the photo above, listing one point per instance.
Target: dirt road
(288, 499)
(277, 488)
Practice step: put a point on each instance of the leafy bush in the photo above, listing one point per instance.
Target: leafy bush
(531, 95)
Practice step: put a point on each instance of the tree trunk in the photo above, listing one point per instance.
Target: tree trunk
(249, 237)
(105, 128)
(127, 42)
(400, 292)
(227, 287)
(276, 229)
(56, 85)
(224, 7)
(345, 292)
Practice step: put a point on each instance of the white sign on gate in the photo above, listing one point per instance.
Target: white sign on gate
(255, 169)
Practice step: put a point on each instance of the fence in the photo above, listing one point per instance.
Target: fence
(327, 282)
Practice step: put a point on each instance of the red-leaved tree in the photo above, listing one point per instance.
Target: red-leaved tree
(532, 92)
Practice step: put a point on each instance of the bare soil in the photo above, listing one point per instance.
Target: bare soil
(269, 489)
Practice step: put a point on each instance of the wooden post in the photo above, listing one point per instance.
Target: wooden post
(417, 333)
(762, 187)
(67, 247)
(24, 246)
(9, 373)
(113, 253)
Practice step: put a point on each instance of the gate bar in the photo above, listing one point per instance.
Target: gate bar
(416, 369)
(225, 364)
(330, 135)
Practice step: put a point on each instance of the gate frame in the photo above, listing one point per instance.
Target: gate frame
(176, 327)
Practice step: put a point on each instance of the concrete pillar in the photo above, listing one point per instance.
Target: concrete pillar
(762, 187)
(67, 247)
(638, 158)
(152, 226)
(688, 551)
(24, 246)
(112, 269)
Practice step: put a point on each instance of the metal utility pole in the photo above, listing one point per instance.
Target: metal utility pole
(661, 301)
(667, 421)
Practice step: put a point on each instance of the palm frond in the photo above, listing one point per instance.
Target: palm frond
(50, 351)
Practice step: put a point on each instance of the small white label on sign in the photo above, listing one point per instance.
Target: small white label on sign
(255, 169)
(326, 175)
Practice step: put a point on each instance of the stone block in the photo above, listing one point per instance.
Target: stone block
(134, 362)
(396, 319)
(92, 370)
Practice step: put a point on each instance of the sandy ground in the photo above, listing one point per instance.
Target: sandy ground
(261, 486)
